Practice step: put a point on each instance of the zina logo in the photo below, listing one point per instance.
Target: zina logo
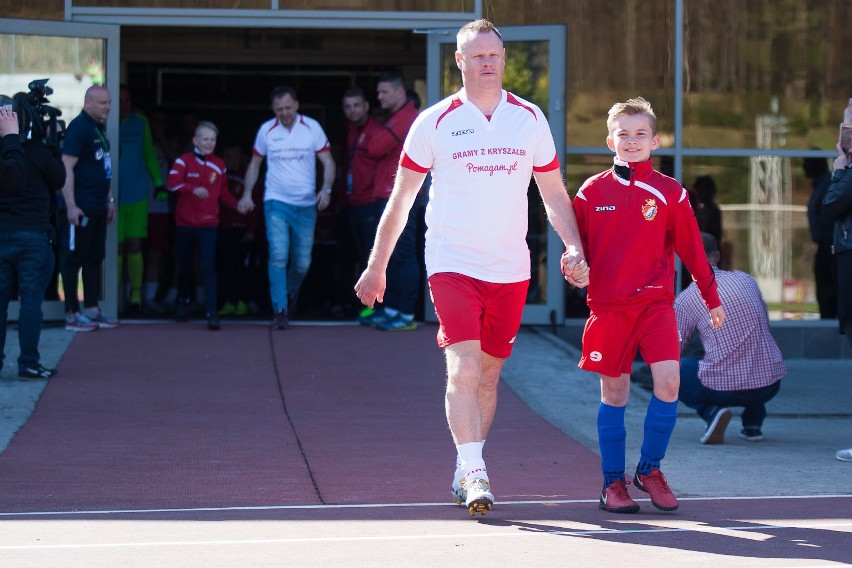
(463, 132)
(605, 208)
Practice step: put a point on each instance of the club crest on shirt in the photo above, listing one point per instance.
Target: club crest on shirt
(649, 210)
(213, 176)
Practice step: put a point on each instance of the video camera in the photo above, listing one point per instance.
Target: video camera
(36, 119)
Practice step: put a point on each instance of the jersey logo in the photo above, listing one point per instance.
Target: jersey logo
(649, 210)
(605, 208)
(595, 356)
(463, 132)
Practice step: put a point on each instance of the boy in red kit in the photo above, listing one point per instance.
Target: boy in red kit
(632, 219)
(200, 180)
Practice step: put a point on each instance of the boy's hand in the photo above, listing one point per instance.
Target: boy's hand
(717, 317)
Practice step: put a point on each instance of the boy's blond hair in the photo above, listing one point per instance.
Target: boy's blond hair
(636, 105)
(473, 29)
(206, 124)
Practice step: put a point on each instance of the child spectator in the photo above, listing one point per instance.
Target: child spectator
(200, 180)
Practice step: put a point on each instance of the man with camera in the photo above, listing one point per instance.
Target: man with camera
(26, 253)
(89, 207)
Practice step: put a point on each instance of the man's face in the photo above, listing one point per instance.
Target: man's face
(632, 138)
(285, 109)
(482, 61)
(390, 96)
(356, 109)
(97, 105)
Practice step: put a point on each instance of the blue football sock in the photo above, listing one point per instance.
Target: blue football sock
(659, 425)
(612, 438)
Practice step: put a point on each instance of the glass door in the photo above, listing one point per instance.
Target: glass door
(72, 57)
(535, 70)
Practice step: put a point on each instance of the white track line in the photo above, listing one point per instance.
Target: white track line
(398, 537)
(383, 506)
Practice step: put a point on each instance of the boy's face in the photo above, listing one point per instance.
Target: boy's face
(205, 140)
(631, 138)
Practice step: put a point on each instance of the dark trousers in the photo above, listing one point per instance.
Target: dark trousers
(703, 400)
(825, 278)
(82, 248)
(403, 275)
(186, 239)
(26, 264)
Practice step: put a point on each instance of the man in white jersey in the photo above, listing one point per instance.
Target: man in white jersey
(291, 143)
(481, 145)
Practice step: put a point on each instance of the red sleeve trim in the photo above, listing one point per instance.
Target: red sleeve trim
(325, 148)
(510, 98)
(456, 103)
(407, 162)
(553, 165)
(256, 153)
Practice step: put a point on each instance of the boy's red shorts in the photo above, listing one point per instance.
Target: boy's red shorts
(611, 339)
(471, 309)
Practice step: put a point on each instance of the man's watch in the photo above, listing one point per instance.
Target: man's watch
(326, 190)
(111, 199)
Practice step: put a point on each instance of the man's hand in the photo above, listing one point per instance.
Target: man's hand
(245, 204)
(74, 215)
(717, 317)
(160, 193)
(323, 199)
(8, 122)
(371, 287)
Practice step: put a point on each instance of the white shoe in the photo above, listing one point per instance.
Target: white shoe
(479, 498)
(844, 455)
(457, 488)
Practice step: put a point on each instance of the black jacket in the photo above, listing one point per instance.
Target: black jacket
(837, 207)
(30, 209)
(11, 165)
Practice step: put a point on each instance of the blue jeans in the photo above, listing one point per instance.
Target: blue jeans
(26, 263)
(290, 232)
(703, 400)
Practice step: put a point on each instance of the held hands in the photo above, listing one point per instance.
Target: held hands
(246, 204)
(717, 317)
(575, 271)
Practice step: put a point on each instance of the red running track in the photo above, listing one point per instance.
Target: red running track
(175, 416)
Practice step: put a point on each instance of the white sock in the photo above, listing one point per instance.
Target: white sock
(458, 457)
(472, 463)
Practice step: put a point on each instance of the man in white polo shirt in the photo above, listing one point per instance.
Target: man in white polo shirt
(482, 145)
(291, 143)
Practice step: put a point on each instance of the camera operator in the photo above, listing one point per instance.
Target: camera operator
(26, 253)
(12, 164)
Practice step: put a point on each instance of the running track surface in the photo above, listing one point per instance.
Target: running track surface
(329, 445)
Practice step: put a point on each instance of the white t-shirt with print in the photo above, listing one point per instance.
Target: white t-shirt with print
(481, 169)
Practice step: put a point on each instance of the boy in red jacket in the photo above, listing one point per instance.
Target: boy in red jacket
(632, 219)
(200, 180)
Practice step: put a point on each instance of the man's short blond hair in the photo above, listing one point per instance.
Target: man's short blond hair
(473, 29)
(633, 106)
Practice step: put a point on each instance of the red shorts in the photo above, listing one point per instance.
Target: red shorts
(610, 339)
(470, 309)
